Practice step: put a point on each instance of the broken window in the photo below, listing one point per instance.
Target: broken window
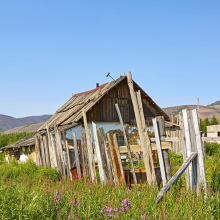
(17, 155)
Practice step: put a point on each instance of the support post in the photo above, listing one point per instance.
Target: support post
(92, 171)
(51, 152)
(47, 154)
(145, 143)
(126, 142)
(77, 156)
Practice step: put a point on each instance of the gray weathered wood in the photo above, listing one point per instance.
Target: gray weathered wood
(159, 151)
(105, 151)
(86, 169)
(54, 150)
(42, 151)
(46, 150)
(92, 171)
(67, 156)
(176, 176)
(165, 152)
(202, 174)
(98, 153)
(126, 142)
(50, 148)
(183, 144)
(60, 150)
(188, 144)
(140, 120)
(92, 155)
(76, 156)
(37, 151)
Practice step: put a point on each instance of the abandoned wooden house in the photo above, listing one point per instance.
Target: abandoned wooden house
(21, 150)
(99, 106)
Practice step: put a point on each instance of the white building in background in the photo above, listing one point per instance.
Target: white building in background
(213, 131)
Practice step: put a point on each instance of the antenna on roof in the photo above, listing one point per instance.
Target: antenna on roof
(109, 75)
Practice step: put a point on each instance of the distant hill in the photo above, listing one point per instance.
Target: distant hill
(205, 111)
(8, 122)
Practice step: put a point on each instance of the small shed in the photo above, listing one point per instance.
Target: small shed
(213, 131)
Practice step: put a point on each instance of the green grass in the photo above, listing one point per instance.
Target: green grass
(31, 192)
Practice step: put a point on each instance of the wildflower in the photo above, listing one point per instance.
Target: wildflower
(78, 203)
(57, 197)
(24, 179)
(144, 216)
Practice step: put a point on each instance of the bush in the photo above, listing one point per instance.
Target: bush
(212, 149)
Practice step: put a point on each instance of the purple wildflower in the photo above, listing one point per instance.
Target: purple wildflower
(78, 203)
(57, 197)
(144, 216)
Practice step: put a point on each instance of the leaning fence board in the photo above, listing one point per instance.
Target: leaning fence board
(67, 156)
(176, 176)
(104, 149)
(126, 142)
(183, 144)
(159, 151)
(188, 144)
(92, 171)
(42, 151)
(114, 168)
(98, 153)
(92, 156)
(121, 176)
(37, 151)
(47, 153)
(202, 177)
(84, 155)
(76, 156)
(54, 150)
(50, 148)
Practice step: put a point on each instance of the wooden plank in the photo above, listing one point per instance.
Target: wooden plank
(92, 156)
(59, 163)
(173, 139)
(60, 150)
(92, 171)
(121, 176)
(159, 151)
(138, 148)
(183, 144)
(84, 155)
(50, 148)
(165, 152)
(140, 120)
(188, 143)
(202, 177)
(104, 148)
(98, 153)
(126, 142)
(46, 150)
(37, 151)
(193, 149)
(114, 168)
(54, 150)
(176, 176)
(76, 156)
(67, 156)
(42, 151)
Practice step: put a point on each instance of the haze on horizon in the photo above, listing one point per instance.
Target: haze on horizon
(53, 49)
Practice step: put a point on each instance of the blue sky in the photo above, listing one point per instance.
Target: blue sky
(52, 49)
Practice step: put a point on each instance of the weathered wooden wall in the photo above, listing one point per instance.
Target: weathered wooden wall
(105, 111)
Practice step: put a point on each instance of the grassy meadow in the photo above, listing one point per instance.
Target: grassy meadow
(31, 192)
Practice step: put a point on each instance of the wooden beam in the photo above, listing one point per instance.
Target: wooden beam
(46, 150)
(159, 151)
(86, 169)
(176, 176)
(77, 156)
(37, 151)
(92, 171)
(98, 153)
(202, 177)
(51, 152)
(54, 150)
(145, 143)
(42, 151)
(121, 176)
(113, 159)
(126, 142)
(67, 156)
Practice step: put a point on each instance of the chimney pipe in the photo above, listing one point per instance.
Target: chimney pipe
(97, 85)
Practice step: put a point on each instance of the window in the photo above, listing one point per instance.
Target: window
(17, 155)
(120, 140)
(218, 133)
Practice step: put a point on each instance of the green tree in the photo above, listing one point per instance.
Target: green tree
(203, 125)
(214, 120)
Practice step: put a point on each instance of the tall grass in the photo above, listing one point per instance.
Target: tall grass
(30, 192)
